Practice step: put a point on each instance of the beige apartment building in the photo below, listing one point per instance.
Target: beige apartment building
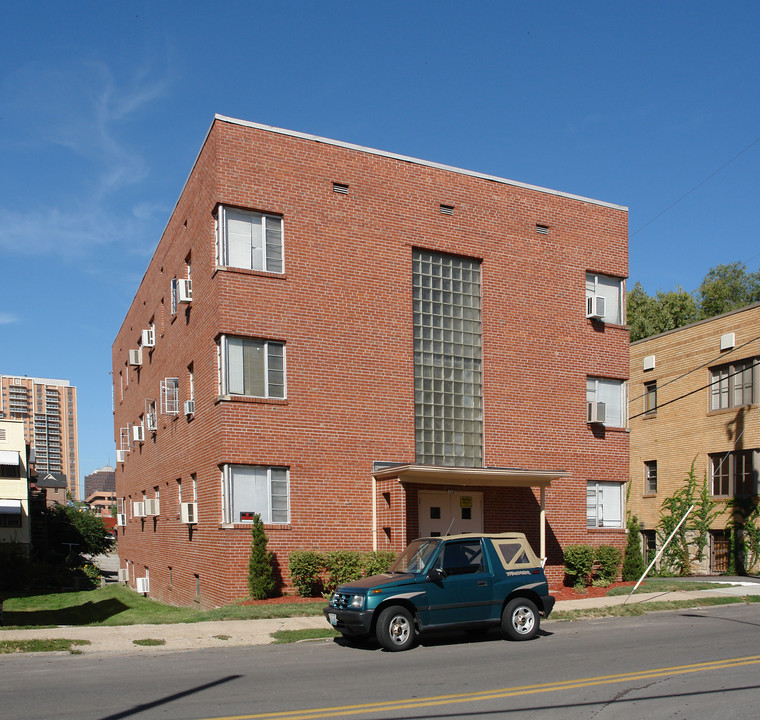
(694, 397)
(48, 409)
(14, 485)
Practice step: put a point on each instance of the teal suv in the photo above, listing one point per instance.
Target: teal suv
(467, 582)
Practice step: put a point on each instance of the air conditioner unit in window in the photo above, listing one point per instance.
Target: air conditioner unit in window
(138, 433)
(143, 585)
(152, 507)
(149, 338)
(595, 413)
(123, 575)
(188, 513)
(121, 456)
(185, 291)
(121, 519)
(138, 509)
(189, 407)
(135, 357)
(596, 306)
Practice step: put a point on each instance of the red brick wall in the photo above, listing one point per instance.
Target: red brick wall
(344, 310)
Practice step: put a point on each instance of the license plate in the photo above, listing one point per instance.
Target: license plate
(333, 618)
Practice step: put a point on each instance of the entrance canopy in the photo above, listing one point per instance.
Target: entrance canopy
(466, 476)
(488, 477)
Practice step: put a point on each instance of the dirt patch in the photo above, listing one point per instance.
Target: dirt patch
(570, 593)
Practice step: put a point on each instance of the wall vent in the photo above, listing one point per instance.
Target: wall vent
(542, 229)
(340, 188)
(447, 209)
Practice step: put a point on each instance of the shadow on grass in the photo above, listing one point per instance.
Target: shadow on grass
(84, 614)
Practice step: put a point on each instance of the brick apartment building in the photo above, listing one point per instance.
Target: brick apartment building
(363, 348)
(694, 395)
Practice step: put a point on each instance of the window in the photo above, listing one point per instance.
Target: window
(447, 360)
(611, 289)
(173, 296)
(604, 504)
(462, 558)
(170, 396)
(650, 477)
(252, 367)
(251, 489)
(650, 398)
(249, 240)
(734, 474)
(10, 519)
(732, 384)
(611, 393)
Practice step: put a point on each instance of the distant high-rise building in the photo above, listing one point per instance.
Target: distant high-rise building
(101, 479)
(48, 409)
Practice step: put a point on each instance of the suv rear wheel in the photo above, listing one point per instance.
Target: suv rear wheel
(395, 628)
(520, 619)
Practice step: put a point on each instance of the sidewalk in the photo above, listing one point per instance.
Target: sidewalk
(231, 633)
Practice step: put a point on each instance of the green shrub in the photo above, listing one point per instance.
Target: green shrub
(607, 560)
(342, 566)
(306, 567)
(378, 561)
(633, 564)
(579, 562)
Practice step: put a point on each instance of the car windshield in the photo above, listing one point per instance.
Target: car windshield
(416, 556)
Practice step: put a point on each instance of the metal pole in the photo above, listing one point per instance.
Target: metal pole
(657, 557)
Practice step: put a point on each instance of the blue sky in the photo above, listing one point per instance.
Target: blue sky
(104, 106)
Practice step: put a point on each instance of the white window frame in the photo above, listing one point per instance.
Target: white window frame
(226, 387)
(260, 474)
(612, 289)
(173, 297)
(612, 393)
(170, 396)
(260, 256)
(605, 505)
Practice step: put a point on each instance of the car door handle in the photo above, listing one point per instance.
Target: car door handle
(482, 583)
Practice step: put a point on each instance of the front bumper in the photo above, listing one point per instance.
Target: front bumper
(349, 622)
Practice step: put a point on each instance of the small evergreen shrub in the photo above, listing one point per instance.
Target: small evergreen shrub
(579, 563)
(633, 564)
(260, 575)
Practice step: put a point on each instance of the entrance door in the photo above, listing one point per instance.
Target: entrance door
(451, 512)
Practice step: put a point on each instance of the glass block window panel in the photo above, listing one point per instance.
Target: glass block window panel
(447, 360)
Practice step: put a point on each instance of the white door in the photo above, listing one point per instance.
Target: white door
(450, 512)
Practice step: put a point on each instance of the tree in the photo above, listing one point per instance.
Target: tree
(76, 530)
(651, 315)
(260, 574)
(726, 288)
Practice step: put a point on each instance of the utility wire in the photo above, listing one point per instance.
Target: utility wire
(698, 185)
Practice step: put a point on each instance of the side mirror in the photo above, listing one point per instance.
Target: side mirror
(436, 575)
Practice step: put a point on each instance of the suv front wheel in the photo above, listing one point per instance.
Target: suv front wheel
(520, 619)
(395, 628)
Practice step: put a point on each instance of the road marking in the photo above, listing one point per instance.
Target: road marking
(361, 709)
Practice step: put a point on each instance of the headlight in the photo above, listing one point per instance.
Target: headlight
(357, 602)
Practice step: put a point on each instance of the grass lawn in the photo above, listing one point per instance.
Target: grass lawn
(666, 585)
(118, 605)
